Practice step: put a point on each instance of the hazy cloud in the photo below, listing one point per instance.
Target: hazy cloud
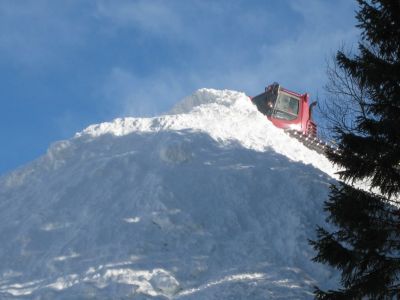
(37, 33)
(155, 17)
(228, 44)
(131, 95)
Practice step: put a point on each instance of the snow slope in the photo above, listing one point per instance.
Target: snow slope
(208, 202)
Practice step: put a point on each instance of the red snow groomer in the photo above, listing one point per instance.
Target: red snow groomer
(292, 112)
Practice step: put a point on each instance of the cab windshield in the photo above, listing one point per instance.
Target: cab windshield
(287, 107)
(279, 105)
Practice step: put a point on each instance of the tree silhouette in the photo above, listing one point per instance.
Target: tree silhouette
(365, 244)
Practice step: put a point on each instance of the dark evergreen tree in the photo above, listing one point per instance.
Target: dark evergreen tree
(365, 242)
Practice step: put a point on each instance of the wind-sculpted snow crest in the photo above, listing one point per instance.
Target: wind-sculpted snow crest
(207, 202)
(224, 115)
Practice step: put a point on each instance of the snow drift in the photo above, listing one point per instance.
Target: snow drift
(208, 202)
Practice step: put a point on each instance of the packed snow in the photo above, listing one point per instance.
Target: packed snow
(209, 201)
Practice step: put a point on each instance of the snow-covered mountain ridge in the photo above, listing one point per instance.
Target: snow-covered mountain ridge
(210, 201)
(226, 116)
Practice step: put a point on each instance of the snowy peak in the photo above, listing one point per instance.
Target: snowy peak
(207, 96)
(227, 116)
(200, 103)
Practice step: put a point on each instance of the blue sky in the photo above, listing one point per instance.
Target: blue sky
(67, 64)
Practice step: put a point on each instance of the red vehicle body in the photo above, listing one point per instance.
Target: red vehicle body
(287, 109)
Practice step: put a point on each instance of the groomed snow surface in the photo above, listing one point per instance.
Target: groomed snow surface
(208, 202)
